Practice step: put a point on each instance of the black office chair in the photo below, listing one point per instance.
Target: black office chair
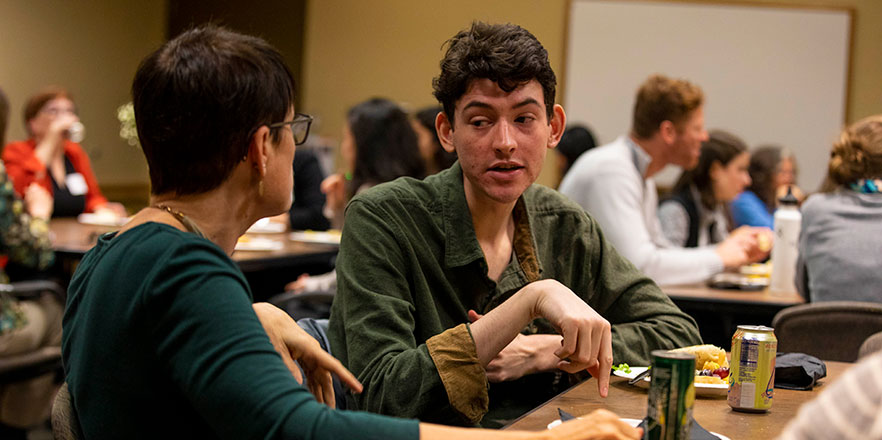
(315, 305)
(831, 330)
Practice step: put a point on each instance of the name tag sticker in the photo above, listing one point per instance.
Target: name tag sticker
(76, 184)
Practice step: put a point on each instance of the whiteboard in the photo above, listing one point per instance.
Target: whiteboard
(769, 74)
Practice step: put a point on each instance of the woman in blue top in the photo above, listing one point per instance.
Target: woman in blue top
(160, 337)
(772, 170)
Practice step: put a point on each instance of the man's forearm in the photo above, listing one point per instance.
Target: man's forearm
(500, 326)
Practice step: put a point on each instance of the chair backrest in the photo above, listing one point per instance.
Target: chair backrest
(64, 419)
(19, 367)
(871, 345)
(831, 330)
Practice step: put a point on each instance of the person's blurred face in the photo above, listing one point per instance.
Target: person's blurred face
(55, 108)
(501, 139)
(426, 142)
(347, 149)
(786, 174)
(730, 180)
(687, 143)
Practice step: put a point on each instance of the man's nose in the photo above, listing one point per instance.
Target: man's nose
(505, 138)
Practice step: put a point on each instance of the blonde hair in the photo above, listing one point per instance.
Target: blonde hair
(662, 99)
(857, 154)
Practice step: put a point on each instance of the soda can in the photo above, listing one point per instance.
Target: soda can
(671, 396)
(752, 368)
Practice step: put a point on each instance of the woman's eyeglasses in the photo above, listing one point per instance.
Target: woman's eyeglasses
(299, 127)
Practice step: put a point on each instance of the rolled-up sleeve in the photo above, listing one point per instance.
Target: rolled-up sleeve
(465, 380)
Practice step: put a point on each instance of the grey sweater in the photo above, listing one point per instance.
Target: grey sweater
(840, 247)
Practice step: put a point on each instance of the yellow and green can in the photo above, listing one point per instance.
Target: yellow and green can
(671, 396)
(752, 368)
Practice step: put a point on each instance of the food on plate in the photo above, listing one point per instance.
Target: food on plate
(757, 270)
(624, 368)
(763, 242)
(711, 365)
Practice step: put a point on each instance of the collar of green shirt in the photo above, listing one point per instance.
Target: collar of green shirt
(462, 247)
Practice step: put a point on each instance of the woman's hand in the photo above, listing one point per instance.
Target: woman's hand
(334, 189)
(294, 344)
(50, 146)
(600, 424)
(38, 201)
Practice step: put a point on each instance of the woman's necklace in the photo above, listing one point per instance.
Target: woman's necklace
(188, 224)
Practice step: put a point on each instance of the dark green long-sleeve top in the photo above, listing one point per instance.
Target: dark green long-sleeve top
(410, 268)
(160, 341)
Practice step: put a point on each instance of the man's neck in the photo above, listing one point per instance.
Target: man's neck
(655, 148)
(494, 228)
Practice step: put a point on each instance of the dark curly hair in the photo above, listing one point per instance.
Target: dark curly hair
(506, 54)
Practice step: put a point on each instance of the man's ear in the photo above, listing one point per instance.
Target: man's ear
(258, 149)
(558, 125)
(668, 131)
(444, 127)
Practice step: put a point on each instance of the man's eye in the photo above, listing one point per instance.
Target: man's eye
(479, 123)
(524, 119)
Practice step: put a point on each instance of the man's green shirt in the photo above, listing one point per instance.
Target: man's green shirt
(410, 267)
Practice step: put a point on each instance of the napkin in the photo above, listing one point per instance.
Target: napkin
(798, 371)
(696, 433)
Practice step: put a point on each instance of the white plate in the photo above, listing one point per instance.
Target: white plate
(634, 422)
(259, 244)
(88, 218)
(701, 389)
(321, 237)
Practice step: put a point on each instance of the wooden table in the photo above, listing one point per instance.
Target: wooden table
(719, 311)
(713, 413)
(266, 271)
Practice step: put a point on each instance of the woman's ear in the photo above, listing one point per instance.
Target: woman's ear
(444, 127)
(715, 169)
(258, 149)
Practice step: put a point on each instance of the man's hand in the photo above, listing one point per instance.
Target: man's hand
(745, 245)
(294, 344)
(526, 354)
(587, 336)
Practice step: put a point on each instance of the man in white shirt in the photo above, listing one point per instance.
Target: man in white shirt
(614, 184)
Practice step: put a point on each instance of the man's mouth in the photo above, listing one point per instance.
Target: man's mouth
(506, 167)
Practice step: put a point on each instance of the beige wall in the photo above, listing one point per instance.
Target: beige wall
(357, 49)
(391, 48)
(92, 48)
(354, 50)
